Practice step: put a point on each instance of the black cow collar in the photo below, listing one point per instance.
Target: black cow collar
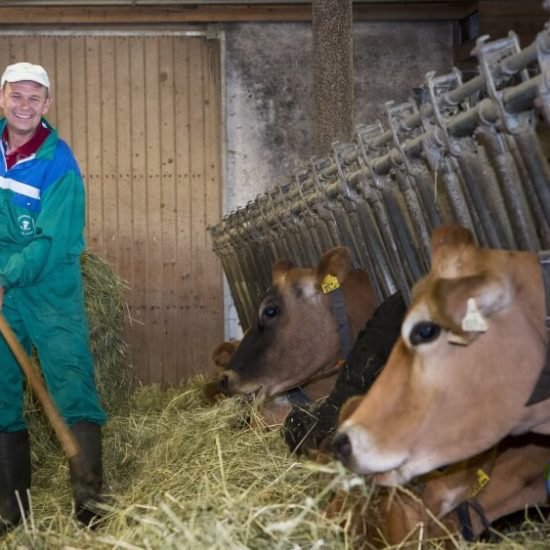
(541, 391)
(341, 316)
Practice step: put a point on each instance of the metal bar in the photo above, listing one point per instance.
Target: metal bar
(380, 268)
(514, 196)
(540, 227)
(538, 169)
(486, 196)
(515, 100)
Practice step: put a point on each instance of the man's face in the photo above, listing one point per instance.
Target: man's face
(24, 103)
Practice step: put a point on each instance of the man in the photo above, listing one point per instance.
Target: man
(42, 215)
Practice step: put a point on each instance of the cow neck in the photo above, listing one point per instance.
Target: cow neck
(297, 396)
(338, 304)
(541, 391)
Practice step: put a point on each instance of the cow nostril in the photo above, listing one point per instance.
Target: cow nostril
(341, 445)
(223, 384)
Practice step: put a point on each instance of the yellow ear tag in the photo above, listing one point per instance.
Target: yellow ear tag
(329, 283)
(481, 481)
(473, 320)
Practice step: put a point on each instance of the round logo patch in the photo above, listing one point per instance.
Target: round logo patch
(26, 225)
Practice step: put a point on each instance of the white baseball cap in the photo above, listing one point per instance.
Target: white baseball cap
(25, 71)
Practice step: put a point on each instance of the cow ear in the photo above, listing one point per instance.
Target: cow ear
(279, 271)
(466, 302)
(450, 235)
(335, 262)
(223, 353)
(447, 248)
(349, 407)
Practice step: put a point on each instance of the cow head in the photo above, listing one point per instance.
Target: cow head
(471, 348)
(296, 335)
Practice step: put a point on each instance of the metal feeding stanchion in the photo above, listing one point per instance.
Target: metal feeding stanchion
(467, 152)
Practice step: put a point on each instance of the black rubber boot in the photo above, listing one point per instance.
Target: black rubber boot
(15, 476)
(87, 474)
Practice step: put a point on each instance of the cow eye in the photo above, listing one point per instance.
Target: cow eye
(424, 332)
(270, 311)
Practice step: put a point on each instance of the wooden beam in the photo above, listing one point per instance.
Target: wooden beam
(80, 15)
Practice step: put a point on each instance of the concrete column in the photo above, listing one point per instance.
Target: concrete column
(332, 72)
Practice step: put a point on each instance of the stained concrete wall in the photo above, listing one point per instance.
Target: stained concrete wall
(268, 95)
(269, 91)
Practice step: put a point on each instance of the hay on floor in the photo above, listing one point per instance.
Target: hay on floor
(186, 474)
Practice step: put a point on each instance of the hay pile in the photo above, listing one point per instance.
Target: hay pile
(104, 298)
(185, 474)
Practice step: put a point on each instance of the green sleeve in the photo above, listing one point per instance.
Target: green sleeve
(58, 234)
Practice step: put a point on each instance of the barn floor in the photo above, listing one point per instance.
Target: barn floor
(185, 474)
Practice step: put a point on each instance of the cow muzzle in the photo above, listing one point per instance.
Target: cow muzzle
(341, 447)
(230, 384)
(223, 385)
(358, 451)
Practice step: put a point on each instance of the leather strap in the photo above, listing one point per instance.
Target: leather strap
(341, 316)
(463, 512)
(296, 396)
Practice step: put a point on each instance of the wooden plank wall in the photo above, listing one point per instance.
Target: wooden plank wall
(142, 114)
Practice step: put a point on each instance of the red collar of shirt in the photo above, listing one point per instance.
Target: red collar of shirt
(28, 148)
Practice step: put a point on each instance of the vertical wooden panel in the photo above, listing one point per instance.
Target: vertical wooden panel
(142, 114)
(109, 139)
(197, 190)
(183, 200)
(94, 176)
(123, 123)
(79, 104)
(63, 94)
(168, 210)
(48, 58)
(154, 230)
(213, 196)
(138, 328)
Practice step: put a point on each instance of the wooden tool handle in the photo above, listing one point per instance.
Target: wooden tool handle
(62, 431)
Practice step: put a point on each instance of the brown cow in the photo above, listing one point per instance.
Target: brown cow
(297, 340)
(465, 498)
(462, 375)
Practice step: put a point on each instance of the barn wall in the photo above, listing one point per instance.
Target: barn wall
(269, 95)
(142, 113)
(269, 100)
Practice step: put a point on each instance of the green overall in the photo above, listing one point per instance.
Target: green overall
(42, 210)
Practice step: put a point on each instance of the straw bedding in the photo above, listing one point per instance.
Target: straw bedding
(184, 474)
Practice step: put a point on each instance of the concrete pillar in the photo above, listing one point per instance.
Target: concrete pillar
(332, 72)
